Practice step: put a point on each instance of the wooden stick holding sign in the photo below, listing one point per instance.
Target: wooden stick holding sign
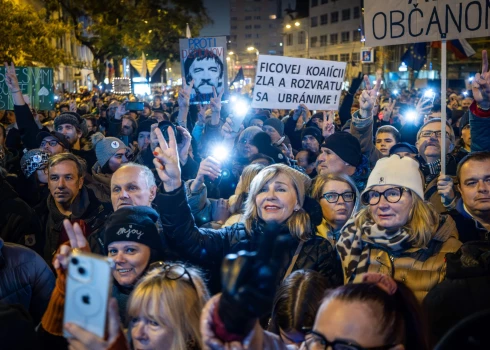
(443, 106)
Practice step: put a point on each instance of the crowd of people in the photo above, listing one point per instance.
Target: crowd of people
(348, 229)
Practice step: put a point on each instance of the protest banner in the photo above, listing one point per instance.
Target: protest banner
(34, 82)
(286, 82)
(410, 21)
(204, 61)
(121, 85)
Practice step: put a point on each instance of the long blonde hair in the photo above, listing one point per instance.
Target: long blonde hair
(299, 223)
(241, 194)
(422, 223)
(172, 303)
(321, 180)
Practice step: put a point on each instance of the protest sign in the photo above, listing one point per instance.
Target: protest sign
(121, 85)
(204, 61)
(286, 82)
(37, 83)
(409, 21)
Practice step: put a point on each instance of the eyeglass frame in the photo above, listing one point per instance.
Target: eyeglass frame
(166, 268)
(339, 342)
(48, 142)
(340, 195)
(382, 194)
(434, 132)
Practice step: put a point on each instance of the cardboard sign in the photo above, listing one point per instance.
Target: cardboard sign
(396, 22)
(286, 82)
(204, 61)
(121, 85)
(36, 83)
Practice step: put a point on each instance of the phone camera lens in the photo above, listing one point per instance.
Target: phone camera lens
(81, 271)
(74, 261)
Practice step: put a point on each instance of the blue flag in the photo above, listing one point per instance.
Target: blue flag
(416, 56)
(239, 76)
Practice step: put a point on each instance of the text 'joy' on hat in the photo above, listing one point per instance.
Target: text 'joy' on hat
(134, 224)
(106, 147)
(397, 171)
(32, 160)
(346, 146)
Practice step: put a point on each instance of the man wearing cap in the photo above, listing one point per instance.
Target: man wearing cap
(275, 129)
(53, 142)
(341, 154)
(311, 139)
(404, 149)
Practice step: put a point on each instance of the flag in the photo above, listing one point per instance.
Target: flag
(460, 47)
(239, 76)
(188, 32)
(416, 56)
(144, 68)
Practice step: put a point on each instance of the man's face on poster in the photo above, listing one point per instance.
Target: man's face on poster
(206, 74)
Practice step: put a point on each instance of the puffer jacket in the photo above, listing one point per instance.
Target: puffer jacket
(25, 279)
(256, 339)
(208, 247)
(421, 269)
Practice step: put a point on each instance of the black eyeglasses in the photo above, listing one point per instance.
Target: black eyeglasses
(52, 143)
(429, 133)
(317, 341)
(333, 197)
(392, 195)
(172, 272)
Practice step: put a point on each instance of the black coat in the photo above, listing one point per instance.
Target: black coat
(25, 279)
(465, 290)
(468, 228)
(208, 247)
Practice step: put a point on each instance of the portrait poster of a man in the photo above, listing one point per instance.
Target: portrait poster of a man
(204, 64)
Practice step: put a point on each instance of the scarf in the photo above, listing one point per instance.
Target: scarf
(355, 243)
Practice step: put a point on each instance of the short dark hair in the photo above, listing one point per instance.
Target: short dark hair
(91, 118)
(199, 55)
(63, 157)
(390, 130)
(475, 156)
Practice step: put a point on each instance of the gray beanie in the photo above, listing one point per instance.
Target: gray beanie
(276, 124)
(106, 147)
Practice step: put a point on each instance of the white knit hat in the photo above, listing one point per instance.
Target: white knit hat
(397, 171)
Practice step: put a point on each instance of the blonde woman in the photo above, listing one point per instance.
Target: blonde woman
(397, 233)
(275, 202)
(165, 308)
(339, 199)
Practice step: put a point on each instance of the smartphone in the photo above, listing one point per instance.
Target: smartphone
(88, 287)
(135, 106)
(237, 122)
(163, 126)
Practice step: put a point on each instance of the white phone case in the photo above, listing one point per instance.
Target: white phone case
(88, 287)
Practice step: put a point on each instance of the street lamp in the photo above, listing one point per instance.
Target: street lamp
(250, 49)
(307, 42)
(288, 26)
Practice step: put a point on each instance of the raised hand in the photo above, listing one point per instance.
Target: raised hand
(215, 101)
(445, 188)
(220, 210)
(166, 160)
(481, 84)
(73, 106)
(388, 110)
(328, 123)
(287, 151)
(185, 145)
(201, 115)
(424, 106)
(368, 97)
(120, 111)
(227, 130)
(11, 78)
(185, 94)
(77, 241)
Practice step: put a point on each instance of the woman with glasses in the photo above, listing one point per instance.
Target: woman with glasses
(397, 233)
(111, 154)
(339, 199)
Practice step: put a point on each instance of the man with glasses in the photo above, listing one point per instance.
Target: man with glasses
(53, 142)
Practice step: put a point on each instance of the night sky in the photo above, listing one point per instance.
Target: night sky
(219, 11)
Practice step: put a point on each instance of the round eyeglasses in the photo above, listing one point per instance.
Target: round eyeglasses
(392, 195)
(317, 341)
(333, 197)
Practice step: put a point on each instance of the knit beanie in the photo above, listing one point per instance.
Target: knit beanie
(276, 124)
(134, 224)
(106, 147)
(67, 118)
(346, 146)
(397, 171)
(313, 131)
(32, 160)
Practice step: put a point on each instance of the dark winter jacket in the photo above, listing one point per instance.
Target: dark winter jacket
(465, 289)
(27, 125)
(18, 221)
(208, 247)
(25, 279)
(469, 229)
(86, 207)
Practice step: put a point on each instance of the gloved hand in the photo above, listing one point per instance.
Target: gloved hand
(356, 83)
(249, 281)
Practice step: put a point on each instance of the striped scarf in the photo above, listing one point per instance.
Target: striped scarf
(355, 243)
